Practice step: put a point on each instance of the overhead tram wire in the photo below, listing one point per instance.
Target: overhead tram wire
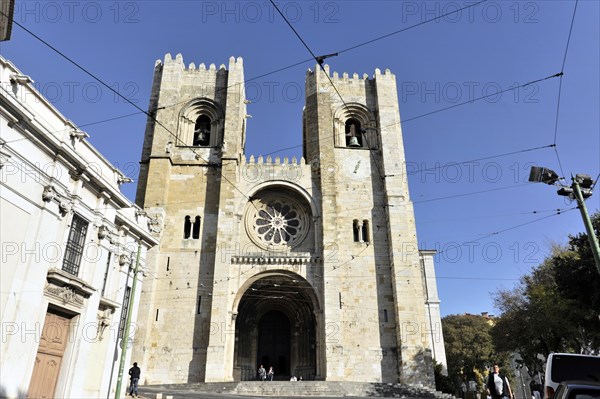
(303, 61)
(210, 164)
(407, 28)
(275, 71)
(495, 233)
(471, 193)
(499, 215)
(436, 111)
(109, 119)
(353, 257)
(483, 158)
(313, 58)
(452, 196)
(557, 213)
(474, 160)
(84, 125)
(481, 98)
(87, 124)
(348, 49)
(562, 68)
(595, 182)
(357, 255)
(310, 59)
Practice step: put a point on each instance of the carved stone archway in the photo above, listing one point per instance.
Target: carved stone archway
(277, 307)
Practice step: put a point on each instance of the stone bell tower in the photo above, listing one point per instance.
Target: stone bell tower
(193, 128)
(353, 139)
(310, 266)
(187, 179)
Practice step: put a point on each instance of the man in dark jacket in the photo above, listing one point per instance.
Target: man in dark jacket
(497, 385)
(134, 374)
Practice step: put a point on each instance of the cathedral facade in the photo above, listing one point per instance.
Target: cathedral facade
(308, 265)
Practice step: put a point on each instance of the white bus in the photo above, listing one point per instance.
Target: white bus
(569, 367)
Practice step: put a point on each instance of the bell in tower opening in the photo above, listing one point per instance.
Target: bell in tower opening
(202, 131)
(353, 136)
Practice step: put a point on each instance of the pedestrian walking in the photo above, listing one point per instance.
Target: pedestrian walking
(498, 386)
(134, 375)
(270, 374)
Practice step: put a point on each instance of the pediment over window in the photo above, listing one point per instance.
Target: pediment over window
(66, 288)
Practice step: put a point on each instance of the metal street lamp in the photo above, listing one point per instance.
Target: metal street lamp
(580, 189)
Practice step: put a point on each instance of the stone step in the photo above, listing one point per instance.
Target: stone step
(300, 388)
(290, 388)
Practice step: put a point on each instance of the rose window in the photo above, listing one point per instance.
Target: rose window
(276, 221)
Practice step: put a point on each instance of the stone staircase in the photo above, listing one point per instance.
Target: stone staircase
(300, 388)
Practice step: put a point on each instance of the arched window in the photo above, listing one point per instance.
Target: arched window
(355, 126)
(365, 231)
(353, 131)
(202, 132)
(187, 227)
(196, 229)
(356, 230)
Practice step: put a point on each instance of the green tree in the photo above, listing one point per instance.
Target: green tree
(578, 281)
(555, 308)
(530, 321)
(469, 347)
(443, 383)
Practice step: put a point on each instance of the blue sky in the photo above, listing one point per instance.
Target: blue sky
(492, 46)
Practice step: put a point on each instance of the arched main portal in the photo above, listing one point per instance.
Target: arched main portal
(276, 326)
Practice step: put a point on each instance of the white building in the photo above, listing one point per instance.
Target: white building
(433, 316)
(69, 239)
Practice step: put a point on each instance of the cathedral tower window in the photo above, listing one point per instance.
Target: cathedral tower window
(355, 126)
(187, 227)
(365, 231)
(202, 131)
(360, 231)
(356, 230)
(201, 124)
(191, 229)
(196, 229)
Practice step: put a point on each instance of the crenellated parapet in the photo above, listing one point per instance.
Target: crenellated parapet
(268, 160)
(177, 62)
(255, 169)
(325, 78)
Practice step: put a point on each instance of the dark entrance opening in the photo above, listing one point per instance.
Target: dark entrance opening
(274, 343)
(275, 325)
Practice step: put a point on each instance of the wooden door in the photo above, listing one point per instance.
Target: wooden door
(53, 342)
